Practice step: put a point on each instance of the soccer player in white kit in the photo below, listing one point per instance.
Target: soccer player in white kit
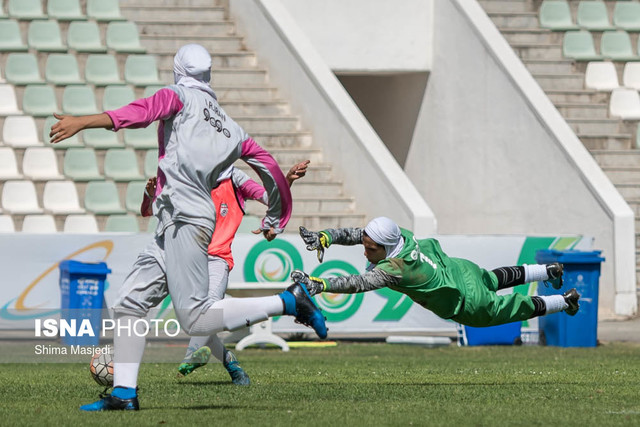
(197, 141)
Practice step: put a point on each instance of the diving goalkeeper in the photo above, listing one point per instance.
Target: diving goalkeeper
(452, 288)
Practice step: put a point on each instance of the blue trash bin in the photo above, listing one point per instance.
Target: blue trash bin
(81, 296)
(581, 271)
(506, 334)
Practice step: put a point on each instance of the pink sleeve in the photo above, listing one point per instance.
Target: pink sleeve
(141, 113)
(275, 183)
(251, 190)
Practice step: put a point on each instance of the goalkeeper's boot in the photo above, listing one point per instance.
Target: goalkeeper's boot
(199, 358)
(121, 399)
(555, 271)
(572, 297)
(298, 303)
(238, 375)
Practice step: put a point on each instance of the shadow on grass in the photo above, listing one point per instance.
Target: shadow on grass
(206, 383)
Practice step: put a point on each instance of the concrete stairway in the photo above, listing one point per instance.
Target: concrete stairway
(610, 140)
(243, 89)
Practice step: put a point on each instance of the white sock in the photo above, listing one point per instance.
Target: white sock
(236, 313)
(242, 312)
(127, 354)
(554, 303)
(535, 273)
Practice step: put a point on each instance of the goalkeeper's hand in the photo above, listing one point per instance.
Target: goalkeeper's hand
(314, 285)
(315, 241)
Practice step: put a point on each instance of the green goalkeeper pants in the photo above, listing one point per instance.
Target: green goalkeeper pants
(482, 306)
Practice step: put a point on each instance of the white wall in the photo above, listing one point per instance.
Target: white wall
(367, 35)
(491, 154)
(369, 171)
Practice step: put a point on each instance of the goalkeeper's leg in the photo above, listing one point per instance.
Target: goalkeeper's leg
(509, 277)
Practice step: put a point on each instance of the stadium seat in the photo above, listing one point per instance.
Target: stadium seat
(41, 224)
(601, 76)
(152, 224)
(81, 164)
(102, 70)
(26, 9)
(123, 37)
(65, 10)
(8, 101)
(625, 103)
(592, 15)
(122, 224)
(80, 224)
(579, 45)
(104, 10)
(44, 36)
(61, 198)
(62, 69)
(117, 96)
(8, 164)
(85, 37)
(74, 141)
(135, 192)
(141, 70)
(556, 16)
(20, 132)
(79, 100)
(151, 163)
(40, 164)
(22, 69)
(616, 45)
(626, 16)
(631, 75)
(121, 164)
(151, 90)
(101, 198)
(39, 101)
(19, 197)
(10, 37)
(101, 139)
(6, 224)
(3, 15)
(142, 139)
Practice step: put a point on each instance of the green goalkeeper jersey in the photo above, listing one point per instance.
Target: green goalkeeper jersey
(421, 270)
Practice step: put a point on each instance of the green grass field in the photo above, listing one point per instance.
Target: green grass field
(353, 384)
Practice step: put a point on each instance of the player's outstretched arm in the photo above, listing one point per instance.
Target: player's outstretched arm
(67, 126)
(320, 240)
(355, 283)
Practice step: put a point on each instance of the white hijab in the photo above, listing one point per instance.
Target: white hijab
(385, 232)
(192, 68)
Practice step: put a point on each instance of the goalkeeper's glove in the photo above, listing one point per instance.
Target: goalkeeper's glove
(318, 241)
(314, 285)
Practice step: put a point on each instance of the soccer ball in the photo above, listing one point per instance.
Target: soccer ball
(101, 368)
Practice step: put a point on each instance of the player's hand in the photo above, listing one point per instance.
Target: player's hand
(297, 171)
(146, 208)
(268, 234)
(66, 127)
(150, 189)
(315, 241)
(314, 285)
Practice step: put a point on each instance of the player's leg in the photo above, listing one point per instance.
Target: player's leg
(143, 289)
(509, 277)
(185, 247)
(201, 348)
(485, 308)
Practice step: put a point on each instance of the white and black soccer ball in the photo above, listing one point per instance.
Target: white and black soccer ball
(101, 368)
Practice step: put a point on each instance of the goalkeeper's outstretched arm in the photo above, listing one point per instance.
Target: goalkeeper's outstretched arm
(355, 283)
